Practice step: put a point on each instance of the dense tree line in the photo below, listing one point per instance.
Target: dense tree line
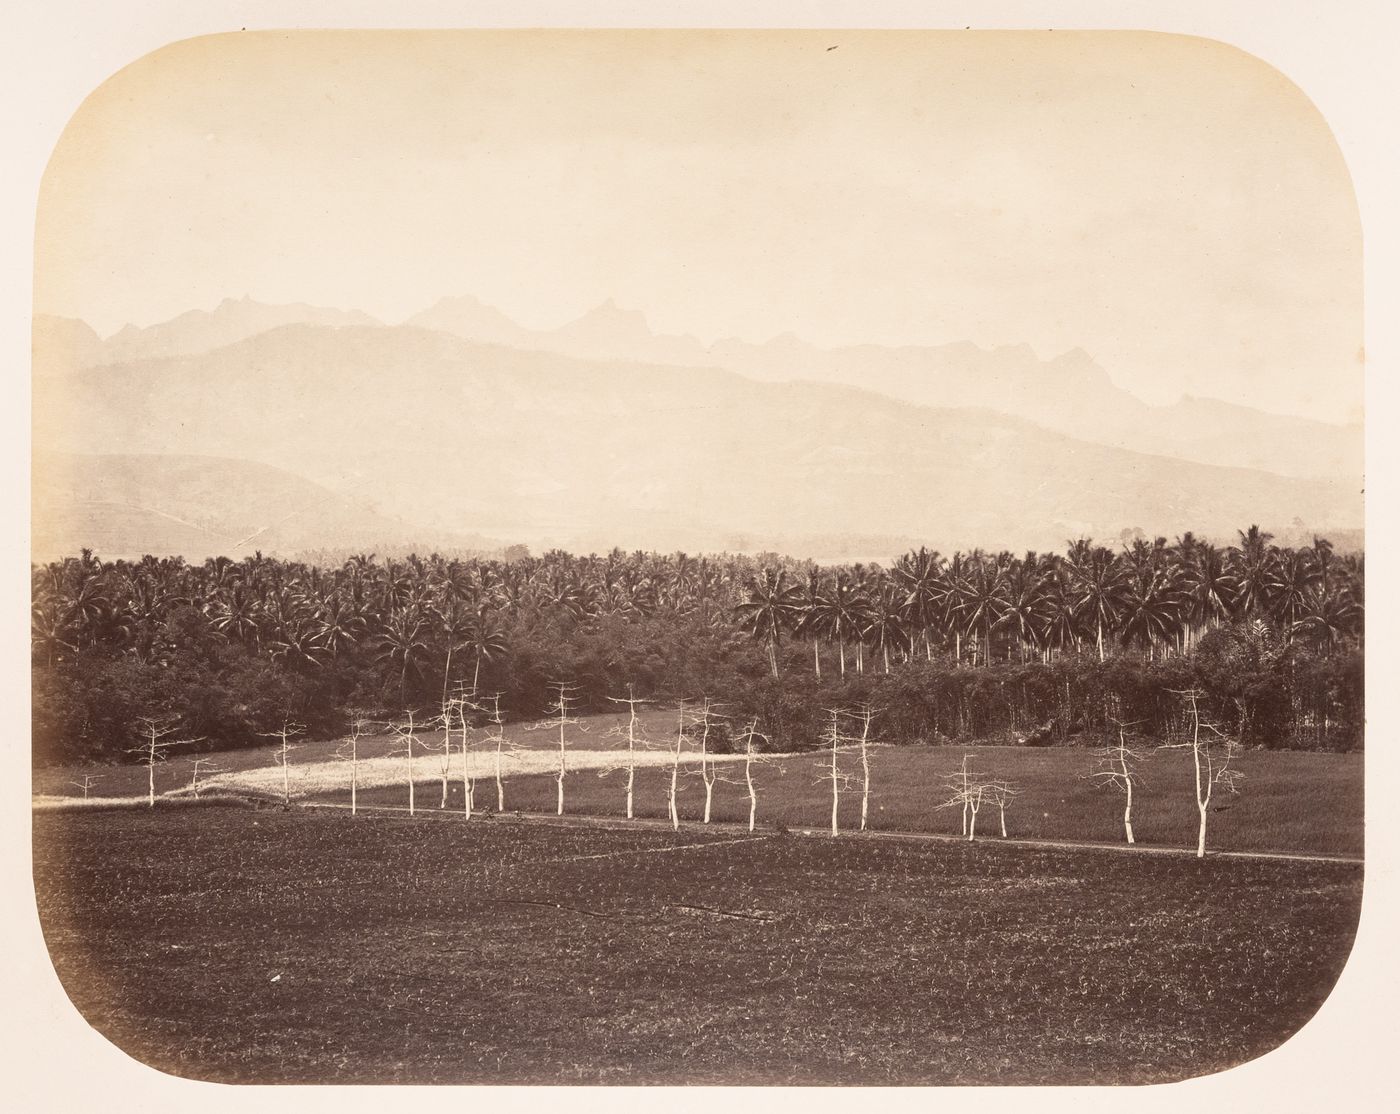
(1042, 647)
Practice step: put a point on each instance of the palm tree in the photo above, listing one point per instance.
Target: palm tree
(885, 624)
(839, 612)
(1205, 586)
(403, 641)
(1060, 607)
(486, 640)
(1097, 576)
(811, 609)
(1292, 574)
(1150, 607)
(919, 576)
(1326, 616)
(49, 633)
(339, 624)
(1251, 571)
(1022, 605)
(978, 594)
(774, 605)
(237, 614)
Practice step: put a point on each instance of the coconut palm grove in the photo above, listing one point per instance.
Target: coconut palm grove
(1039, 649)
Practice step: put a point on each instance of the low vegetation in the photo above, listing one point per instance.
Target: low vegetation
(434, 951)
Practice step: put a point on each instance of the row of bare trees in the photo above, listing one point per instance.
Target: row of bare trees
(848, 734)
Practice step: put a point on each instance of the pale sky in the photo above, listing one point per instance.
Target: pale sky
(1172, 206)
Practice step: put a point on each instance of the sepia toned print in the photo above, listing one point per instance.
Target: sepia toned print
(697, 557)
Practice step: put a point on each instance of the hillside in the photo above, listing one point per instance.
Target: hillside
(195, 506)
(1070, 394)
(534, 447)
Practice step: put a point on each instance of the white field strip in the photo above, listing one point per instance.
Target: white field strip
(50, 801)
(314, 778)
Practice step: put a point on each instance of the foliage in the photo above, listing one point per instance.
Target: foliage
(977, 646)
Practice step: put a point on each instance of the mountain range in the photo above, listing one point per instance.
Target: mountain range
(306, 428)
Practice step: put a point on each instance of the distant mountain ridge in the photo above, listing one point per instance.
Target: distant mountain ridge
(522, 444)
(1069, 393)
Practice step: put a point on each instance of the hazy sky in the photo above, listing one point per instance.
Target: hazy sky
(1171, 205)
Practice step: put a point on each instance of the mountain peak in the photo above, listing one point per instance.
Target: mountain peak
(608, 312)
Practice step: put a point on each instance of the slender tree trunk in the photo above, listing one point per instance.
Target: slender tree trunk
(447, 760)
(817, 656)
(1202, 798)
(967, 803)
(841, 644)
(835, 788)
(748, 779)
(559, 778)
(972, 826)
(500, 785)
(631, 760)
(865, 776)
(1128, 812)
(675, 770)
(354, 777)
(1003, 821)
(151, 771)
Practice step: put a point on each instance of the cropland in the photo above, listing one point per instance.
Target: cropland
(231, 938)
(260, 945)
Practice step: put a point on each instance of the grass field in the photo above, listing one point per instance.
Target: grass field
(242, 944)
(1290, 801)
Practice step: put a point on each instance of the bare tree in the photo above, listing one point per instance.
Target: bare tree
(284, 734)
(1001, 794)
(155, 732)
(1212, 751)
(496, 739)
(834, 740)
(203, 766)
(705, 719)
(864, 714)
(751, 759)
(87, 782)
(463, 706)
(560, 720)
(349, 751)
(960, 786)
(681, 724)
(1116, 768)
(635, 735)
(968, 793)
(405, 736)
(447, 720)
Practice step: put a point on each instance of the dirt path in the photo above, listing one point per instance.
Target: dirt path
(611, 824)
